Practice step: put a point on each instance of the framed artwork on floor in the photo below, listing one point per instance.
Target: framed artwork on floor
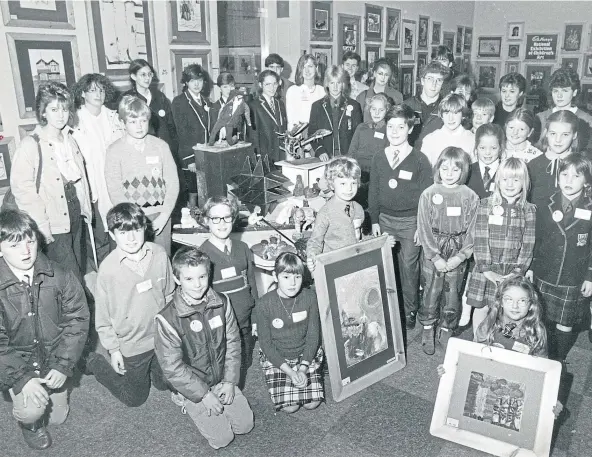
(468, 39)
(537, 76)
(49, 14)
(393, 28)
(181, 58)
(38, 58)
(189, 21)
(512, 67)
(349, 34)
(490, 46)
(587, 66)
(409, 40)
(324, 55)
(513, 51)
(496, 400)
(406, 83)
(448, 40)
(373, 23)
(515, 31)
(7, 148)
(436, 32)
(423, 30)
(372, 54)
(572, 37)
(571, 62)
(321, 28)
(488, 74)
(360, 318)
(460, 32)
(122, 34)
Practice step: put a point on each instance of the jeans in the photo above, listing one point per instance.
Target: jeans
(57, 406)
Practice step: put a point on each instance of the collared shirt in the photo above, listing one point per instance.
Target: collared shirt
(139, 266)
(221, 245)
(566, 203)
(22, 276)
(492, 168)
(573, 109)
(404, 150)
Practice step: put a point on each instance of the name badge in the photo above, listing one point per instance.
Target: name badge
(393, 183)
(277, 323)
(152, 160)
(494, 219)
(453, 211)
(407, 175)
(144, 286)
(492, 187)
(215, 322)
(379, 135)
(299, 316)
(229, 272)
(583, 214)
(521, 347)
(196, 326)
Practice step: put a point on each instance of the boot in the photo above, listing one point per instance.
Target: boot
(36, 436)
(564, 342)
(428, 343)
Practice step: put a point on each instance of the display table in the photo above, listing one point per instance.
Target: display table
(310, 169)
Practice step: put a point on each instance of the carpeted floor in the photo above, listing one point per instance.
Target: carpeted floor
(390, 419)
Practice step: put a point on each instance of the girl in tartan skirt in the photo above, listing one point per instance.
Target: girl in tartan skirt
(503, 236)
(562, 265)
(289, 335)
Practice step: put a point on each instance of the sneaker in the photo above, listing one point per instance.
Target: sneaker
(36, 435)
(410, 320)
(444, 335)
(427, 341)
(465, 317)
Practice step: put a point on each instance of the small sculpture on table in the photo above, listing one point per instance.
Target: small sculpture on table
(292, 143)
(230, 118)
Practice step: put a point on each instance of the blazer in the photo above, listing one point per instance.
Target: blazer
(321, 117)
(476, 184)
(265, 124)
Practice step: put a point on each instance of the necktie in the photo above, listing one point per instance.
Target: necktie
(348, 210)
(568, 214)
(272, 104)
(226, 250)
(486, 177)
(395, 159)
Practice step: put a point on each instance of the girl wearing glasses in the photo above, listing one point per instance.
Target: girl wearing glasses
(233, 271)
(380, 81)
(269, 117)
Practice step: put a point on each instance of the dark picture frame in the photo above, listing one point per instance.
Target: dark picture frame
(324, 55)
(407, 83)
(423, 32)
(188, 25)
(489, 46)
(571, 62)
(422, 60)
(181, 58)
(62, 17)
(539, 73)
(541, 46)
(468, 39)
(586, 96)
(393, 28)
(409, 36)
(7, 149)
(373, 23)
(372, 54)
(460, 32)
(488, 74)
(321, 28)
(349, 34)
(448, 40)
(573, 37)
(436, 33)
(513, 51)
(354, 282)
(587, 70)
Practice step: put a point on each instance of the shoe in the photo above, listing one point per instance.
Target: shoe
(590, 335)
(36, 435)
(410, 320)
(427, 341)
(177, 399)
(444, 335)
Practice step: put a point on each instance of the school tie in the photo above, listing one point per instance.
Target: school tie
(486, 177)
(226, 250)
(347, 210)
(272, 104)
(395, 160)
(568, 214)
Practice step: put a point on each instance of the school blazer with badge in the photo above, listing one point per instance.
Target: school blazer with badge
(266, 124)
(321, 117)
(562, 253)
(476, 184)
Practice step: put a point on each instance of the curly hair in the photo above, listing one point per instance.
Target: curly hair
(87, 82)
(47, 93)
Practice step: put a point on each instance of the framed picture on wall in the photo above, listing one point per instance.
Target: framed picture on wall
(467, 63)
(459, 40)
(572, 37)
(587, 96)
(513, 51)
(320, 27)
(422, 60)
(423, 30)
(373, 23)
(488, 74)
(37, 58)
(468, 39)
(181, 58)
(393, 28)
(393, 58)
(448, 40)
(7, 148)
(189, 20)
(436, 32)
(515, 31)
(537, 76)
(571, 62)
(541, 46)
(512, 67)
(407, 83)
(324, 55)
(587, 66)
(349, 34)
(409, 40)
(122, 34)
(54, 14)
(372, 54)
(489, 46)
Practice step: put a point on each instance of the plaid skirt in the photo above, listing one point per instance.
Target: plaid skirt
(283, 392)
(562, 304)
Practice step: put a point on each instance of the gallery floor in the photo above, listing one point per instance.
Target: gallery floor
(390, 419)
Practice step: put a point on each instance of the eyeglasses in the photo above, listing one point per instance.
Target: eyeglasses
(217, 220)
(432, 80)
(509, 301)
(146, 75)
(96, 90)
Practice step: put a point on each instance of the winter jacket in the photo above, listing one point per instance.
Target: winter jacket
(43, 326)
(198, 346)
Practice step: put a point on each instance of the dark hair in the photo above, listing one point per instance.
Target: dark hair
(401, 112)
(441, 53)
(47, 93)
(347, 55)
(125, 217)
(434, 67)
(491, 130)
(565, 77)
(582, 165)
(288, 262)
(524, 115)
(224, 78)
(272, 59)
(195, 71)
(336, 72)
(136, 65)
(189, 256)
(16, 225)
(465, 80)
(459, 157)
(265, 73)
(89, 80)
(513, 79)
(378, 63)
(566, 117)
(298, 79)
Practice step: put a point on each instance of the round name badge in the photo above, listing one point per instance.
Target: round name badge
(156, 172)
(557, 216)
(437, 199)
(393, 183)
(498, 210)
(196, 326)
(161, 113)
(277, 323)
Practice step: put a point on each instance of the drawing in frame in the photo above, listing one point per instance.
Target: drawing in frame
(587, 96)
(512, 67)
(181, 58)
(448, 40)
(189, 22)
(423, 29)
(122, 34)
(324, 55)
(587, 71)
(393, 28)
(373, 23)
(538, 76)
(526, 401)
(36, 58)
(406, 84)
(513, 51)
(436, 32)
(357, 299)
(468, 39)
(372, 55)
(7, 149)
(321, 20)
(571, 62)
(349, 34)
(409, 41)
(489, 46)
(393, 58)
(572, 37)
(488, 74)
(52, 14)
(460, 32)
(515, 31)
(422, 60)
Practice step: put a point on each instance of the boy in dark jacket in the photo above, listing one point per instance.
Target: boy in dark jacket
(43, 328)
(198, 346)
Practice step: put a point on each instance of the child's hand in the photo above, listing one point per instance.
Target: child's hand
(557, 409)
(586, 289)
(298, 379)
(324, 157)
(192, 167)
(493, 277)
(440, 370)
(159, 223)
(55, 379)
(225, 392)
(34, 391)
(391, 241)
(416, 238)
(441, 265)
(376, 230)
(311, 263)
(212, 404)
(254, 330)
(117, 362)
(453, 262)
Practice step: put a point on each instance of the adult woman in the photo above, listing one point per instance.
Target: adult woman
(335, 112)
(306, 91)
(380, 82)
(161, 122)
(194, 118)
(268, 116)
(95, 128)
(63, 194)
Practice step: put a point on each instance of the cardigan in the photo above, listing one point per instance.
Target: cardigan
(396, 192)
(266, 124)
(368, 140)
(394, 94)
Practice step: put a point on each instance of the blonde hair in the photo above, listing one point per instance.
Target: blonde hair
(342, 167)
(131, 106)
(512, 167)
